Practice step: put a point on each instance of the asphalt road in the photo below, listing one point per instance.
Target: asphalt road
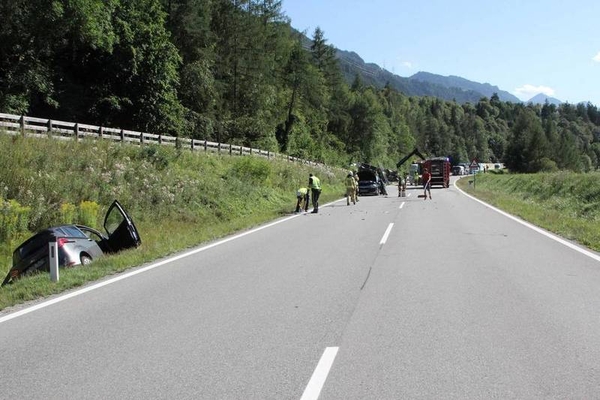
(391, 298)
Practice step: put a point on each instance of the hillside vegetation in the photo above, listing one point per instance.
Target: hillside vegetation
(236, 72)
(177, 199)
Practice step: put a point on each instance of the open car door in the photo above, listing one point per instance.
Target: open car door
(122, 233)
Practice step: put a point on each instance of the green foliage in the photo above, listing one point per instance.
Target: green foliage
(152, 182)
(67, 213)
(13, 219)
(235, 72)
(88, 213)
(256, 171)
(109, 62)
(159, 156)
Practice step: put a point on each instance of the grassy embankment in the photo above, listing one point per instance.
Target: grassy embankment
(565, 203)
(178, 199)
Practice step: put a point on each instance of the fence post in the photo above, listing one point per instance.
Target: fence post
(192, 145)
(205, 145)
(141, 138)
(160, 138)
(219, 148)
(76, 131)
(101, 132)
(53, 259)
(230, 148)
(122, 135)
(49, 128)
(22, 123)
(241, 150)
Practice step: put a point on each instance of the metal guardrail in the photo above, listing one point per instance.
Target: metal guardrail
(43, 128)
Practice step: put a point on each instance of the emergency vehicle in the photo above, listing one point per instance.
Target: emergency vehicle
(439, 168)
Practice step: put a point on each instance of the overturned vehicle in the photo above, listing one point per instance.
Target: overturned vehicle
(77, 244)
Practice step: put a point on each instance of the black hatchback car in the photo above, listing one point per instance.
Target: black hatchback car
(77, 244)
(368, 183)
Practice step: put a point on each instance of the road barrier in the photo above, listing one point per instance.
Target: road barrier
(44, 128)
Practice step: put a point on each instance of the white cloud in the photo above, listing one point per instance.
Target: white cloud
(528, 91)
(404, 63)
(597, 57)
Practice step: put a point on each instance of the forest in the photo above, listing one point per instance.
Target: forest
(235, 71)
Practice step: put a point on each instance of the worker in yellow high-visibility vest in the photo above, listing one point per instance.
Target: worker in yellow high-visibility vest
(302, 198)
(315, 190)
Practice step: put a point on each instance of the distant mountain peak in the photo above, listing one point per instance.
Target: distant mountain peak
(541, 98)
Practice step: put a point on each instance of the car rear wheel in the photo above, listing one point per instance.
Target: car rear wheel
(86, 260)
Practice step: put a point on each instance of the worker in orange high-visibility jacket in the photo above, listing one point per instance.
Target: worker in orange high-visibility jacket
(356, 192)
(350, 189)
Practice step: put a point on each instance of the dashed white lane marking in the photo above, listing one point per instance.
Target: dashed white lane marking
(317, 380)
(402, 205)
(386, 234)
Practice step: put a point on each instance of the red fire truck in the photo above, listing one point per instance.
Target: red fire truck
(439, 167)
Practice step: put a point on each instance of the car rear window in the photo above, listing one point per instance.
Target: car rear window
(71, 231)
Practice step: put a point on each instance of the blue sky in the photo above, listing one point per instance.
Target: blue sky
(524, 47)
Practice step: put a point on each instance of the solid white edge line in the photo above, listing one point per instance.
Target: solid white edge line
(535, 228)
(143, 269)
(319, 376)
(387, 233)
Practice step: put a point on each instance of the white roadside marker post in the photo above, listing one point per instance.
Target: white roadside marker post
(53, 253)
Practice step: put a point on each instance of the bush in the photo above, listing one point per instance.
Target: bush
(252, 169)
(546, 165)
(88, 213)
(13, 219)
(67, 213)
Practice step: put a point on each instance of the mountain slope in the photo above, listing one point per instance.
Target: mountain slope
(456, 81)
(421, 84)
(372, 74)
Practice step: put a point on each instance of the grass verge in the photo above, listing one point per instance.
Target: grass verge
(564, 203)
(178, 199)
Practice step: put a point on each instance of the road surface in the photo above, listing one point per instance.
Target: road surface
(391, 298)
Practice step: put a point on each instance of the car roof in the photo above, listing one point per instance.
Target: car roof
(59, 230)
(62, 229)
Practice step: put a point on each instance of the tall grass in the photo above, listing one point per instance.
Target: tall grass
(566, 203)
(177, 198)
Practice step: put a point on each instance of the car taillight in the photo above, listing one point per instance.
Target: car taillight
(61, 242)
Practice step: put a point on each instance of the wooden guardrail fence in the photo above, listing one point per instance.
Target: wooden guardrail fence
(40, 127)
